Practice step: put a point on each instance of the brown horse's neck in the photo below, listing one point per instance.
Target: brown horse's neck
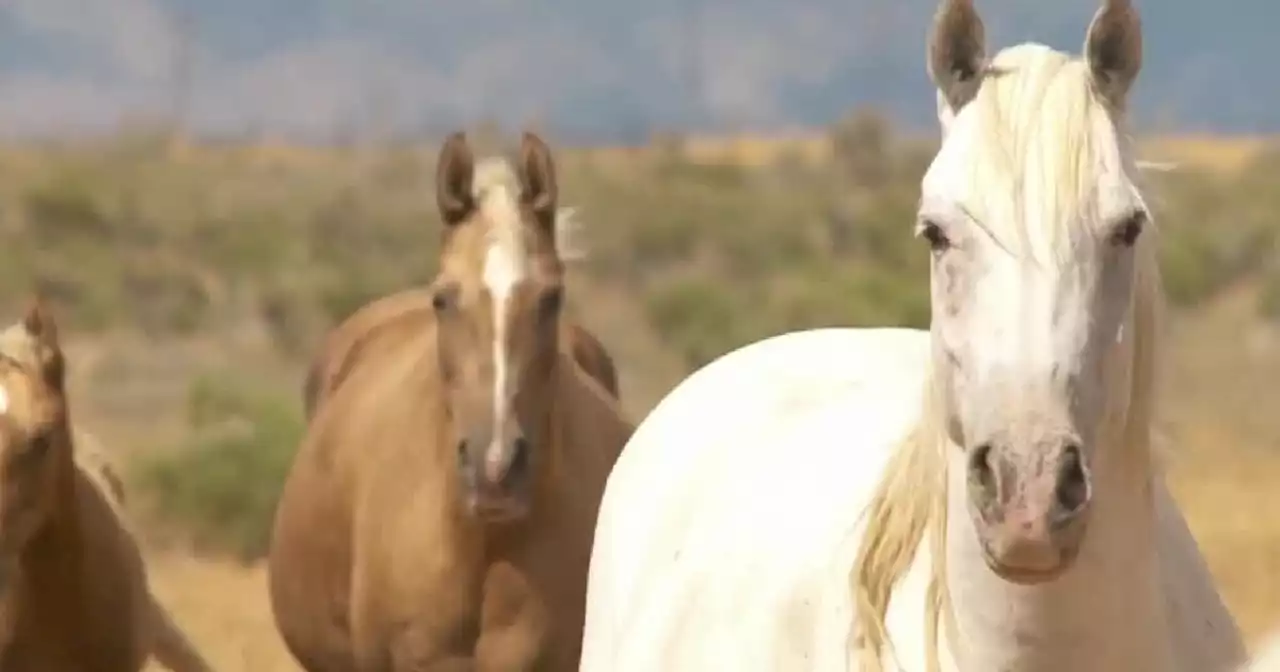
(552, 434)
(52, 580)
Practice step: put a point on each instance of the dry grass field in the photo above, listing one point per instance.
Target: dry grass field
(1224, 466)
(224, 608)
(1220, 412)
(1216, 153)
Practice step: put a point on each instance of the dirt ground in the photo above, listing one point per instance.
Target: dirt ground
(224, 609)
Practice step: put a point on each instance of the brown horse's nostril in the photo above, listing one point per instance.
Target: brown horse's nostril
(982, 478)
(462, 453)
(1072, 488)
(519, 466)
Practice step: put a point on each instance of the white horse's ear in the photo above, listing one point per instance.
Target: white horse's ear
(1113, 49)
(957, 53)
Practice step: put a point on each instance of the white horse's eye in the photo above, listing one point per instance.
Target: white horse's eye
(1126, 232)
(933, 233)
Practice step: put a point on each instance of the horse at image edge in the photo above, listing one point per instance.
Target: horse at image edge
(982, 496)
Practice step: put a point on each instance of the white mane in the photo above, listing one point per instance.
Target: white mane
(1041, 132)
(1038, 130)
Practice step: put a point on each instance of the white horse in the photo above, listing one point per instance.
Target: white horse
(1267, 657)
(979, 497)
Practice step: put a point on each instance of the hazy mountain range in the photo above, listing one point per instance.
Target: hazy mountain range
(592, 69)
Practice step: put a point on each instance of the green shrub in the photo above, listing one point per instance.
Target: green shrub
(66, 206)
(664, 240)
(697, 318)
(1269, 298)
(710, 256)
(1190, 269)
(222, 487)
(165, 298)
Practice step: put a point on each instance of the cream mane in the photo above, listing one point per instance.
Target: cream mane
(495, 181)
(1037, 130)
(16, 343)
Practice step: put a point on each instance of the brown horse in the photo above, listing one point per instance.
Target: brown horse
(73, 588)
(341, 347)
(440, 511)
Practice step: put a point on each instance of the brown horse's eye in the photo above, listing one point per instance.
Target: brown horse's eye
(551, 300)
(37, 446)
(444, 298)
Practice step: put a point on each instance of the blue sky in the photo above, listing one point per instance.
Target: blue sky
(594, 67)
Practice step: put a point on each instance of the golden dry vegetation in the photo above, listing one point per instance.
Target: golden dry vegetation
(1224, 464)
(1212, 152)
(196, 278)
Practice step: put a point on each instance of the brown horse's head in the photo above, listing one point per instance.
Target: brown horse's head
(498, 299)
(33, 433)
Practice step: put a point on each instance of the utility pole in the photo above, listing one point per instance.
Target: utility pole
(182, 70)
(693, 66)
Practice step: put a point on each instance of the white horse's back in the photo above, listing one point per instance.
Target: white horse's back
(767, 456)
(1267, 656)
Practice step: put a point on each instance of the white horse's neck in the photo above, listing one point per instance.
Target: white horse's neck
(1104, 614)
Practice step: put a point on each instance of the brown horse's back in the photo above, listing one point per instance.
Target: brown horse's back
(103, 493)
(312, 562)
(343, 345)
(91, 456)
(589, 353)
(119, 623)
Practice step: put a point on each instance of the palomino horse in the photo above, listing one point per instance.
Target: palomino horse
(73, 588)
(341, 347)
(980, 497)
(440, 511)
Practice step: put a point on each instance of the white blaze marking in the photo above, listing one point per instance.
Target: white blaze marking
(4, 401)
(505, 266)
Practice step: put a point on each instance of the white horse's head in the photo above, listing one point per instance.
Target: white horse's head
(1035, 223)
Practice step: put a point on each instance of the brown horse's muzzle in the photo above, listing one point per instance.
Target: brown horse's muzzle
(496, 478)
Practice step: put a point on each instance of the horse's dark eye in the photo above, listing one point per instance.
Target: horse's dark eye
(442, 300)
(37, 446)
(551, 301)
(1127, 232)
(931, 232)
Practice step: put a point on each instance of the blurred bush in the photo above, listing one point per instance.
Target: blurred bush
(713, 255)
(222, 487)
(131, 234)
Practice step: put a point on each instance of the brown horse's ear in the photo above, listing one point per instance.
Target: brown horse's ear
(1113, 49)
(39, 323)
(537, 173)
(454, 172)
(957, 52)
